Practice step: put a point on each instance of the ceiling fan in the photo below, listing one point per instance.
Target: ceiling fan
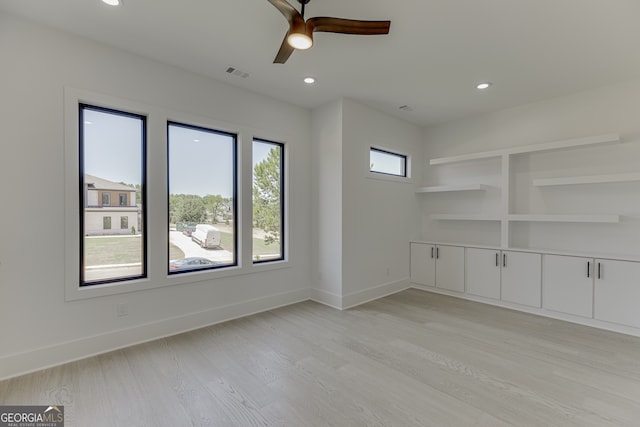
(300, 34)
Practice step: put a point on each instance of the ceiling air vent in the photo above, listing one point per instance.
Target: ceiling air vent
(235, 72)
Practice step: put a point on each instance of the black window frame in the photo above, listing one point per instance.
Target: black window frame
(81, 193)
(124, 219)
(236, 214)
(404, 157)
(283, 216)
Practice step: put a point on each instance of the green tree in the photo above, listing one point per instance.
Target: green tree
(266, 196)
(187, 208)
(216, 205)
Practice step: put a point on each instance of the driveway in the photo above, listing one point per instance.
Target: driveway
(192, 249)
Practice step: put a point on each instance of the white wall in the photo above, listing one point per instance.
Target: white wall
(37, 326)
(327, 204)
(380, 216)
(611, 109)
(363, 224)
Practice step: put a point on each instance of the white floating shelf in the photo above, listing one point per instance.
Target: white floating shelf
(465, 217)
(594, 179)
(547, 146)
(449, 188)
(565, 218)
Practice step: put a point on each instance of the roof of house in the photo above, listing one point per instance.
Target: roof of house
(96, 183)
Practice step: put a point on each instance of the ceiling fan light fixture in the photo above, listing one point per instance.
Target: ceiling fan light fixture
(299, 41)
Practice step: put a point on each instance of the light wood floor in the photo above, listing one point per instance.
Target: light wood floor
(411, 359)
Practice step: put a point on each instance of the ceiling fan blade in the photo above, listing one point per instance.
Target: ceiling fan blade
(287, 11)
(347, 26)
(285, 51)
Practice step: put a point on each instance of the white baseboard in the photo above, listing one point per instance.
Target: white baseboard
(357, 298)
(34, 360)
(594, 323)
(327, 298)
(361, 297)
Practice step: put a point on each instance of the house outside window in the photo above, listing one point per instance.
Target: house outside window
(110, 184)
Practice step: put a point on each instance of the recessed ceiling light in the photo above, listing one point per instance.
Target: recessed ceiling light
(112, 2)
(309, 80)
(483, 85)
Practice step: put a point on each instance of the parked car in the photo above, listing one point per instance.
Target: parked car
(188, 230)
(191, 263)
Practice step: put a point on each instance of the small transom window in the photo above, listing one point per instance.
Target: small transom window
(388, 163)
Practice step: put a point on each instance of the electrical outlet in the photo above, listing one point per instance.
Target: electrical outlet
(123, 309)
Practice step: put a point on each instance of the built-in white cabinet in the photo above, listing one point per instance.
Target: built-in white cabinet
(450, 268)
(617, 292)
(438, 266)
(521, 278)
(423, 264)
(567, 284)
(482, 272)
(601, 292)
(506, 275)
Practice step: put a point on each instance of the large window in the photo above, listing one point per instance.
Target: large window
(387, 162)
(202, 198)
(268, 201)
(112, 160)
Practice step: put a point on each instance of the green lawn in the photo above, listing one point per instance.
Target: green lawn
(118, 250)
(259, 246)
(100, 250)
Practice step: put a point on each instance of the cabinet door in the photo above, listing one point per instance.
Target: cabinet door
(567, 284)
(617, 292)
(450, 268)
(482, 272)
(521, 278)
(423, 264)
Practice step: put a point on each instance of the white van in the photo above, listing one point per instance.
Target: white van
(206, 236)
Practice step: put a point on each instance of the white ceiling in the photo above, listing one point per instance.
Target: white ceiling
(435, 53)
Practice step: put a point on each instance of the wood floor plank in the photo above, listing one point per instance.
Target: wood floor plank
(409, 359)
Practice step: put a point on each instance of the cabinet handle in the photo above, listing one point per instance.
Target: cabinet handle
(431, 252)
(599, 270)
(504, 260)
(497, 262)
(437, 253)
(588, 269)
